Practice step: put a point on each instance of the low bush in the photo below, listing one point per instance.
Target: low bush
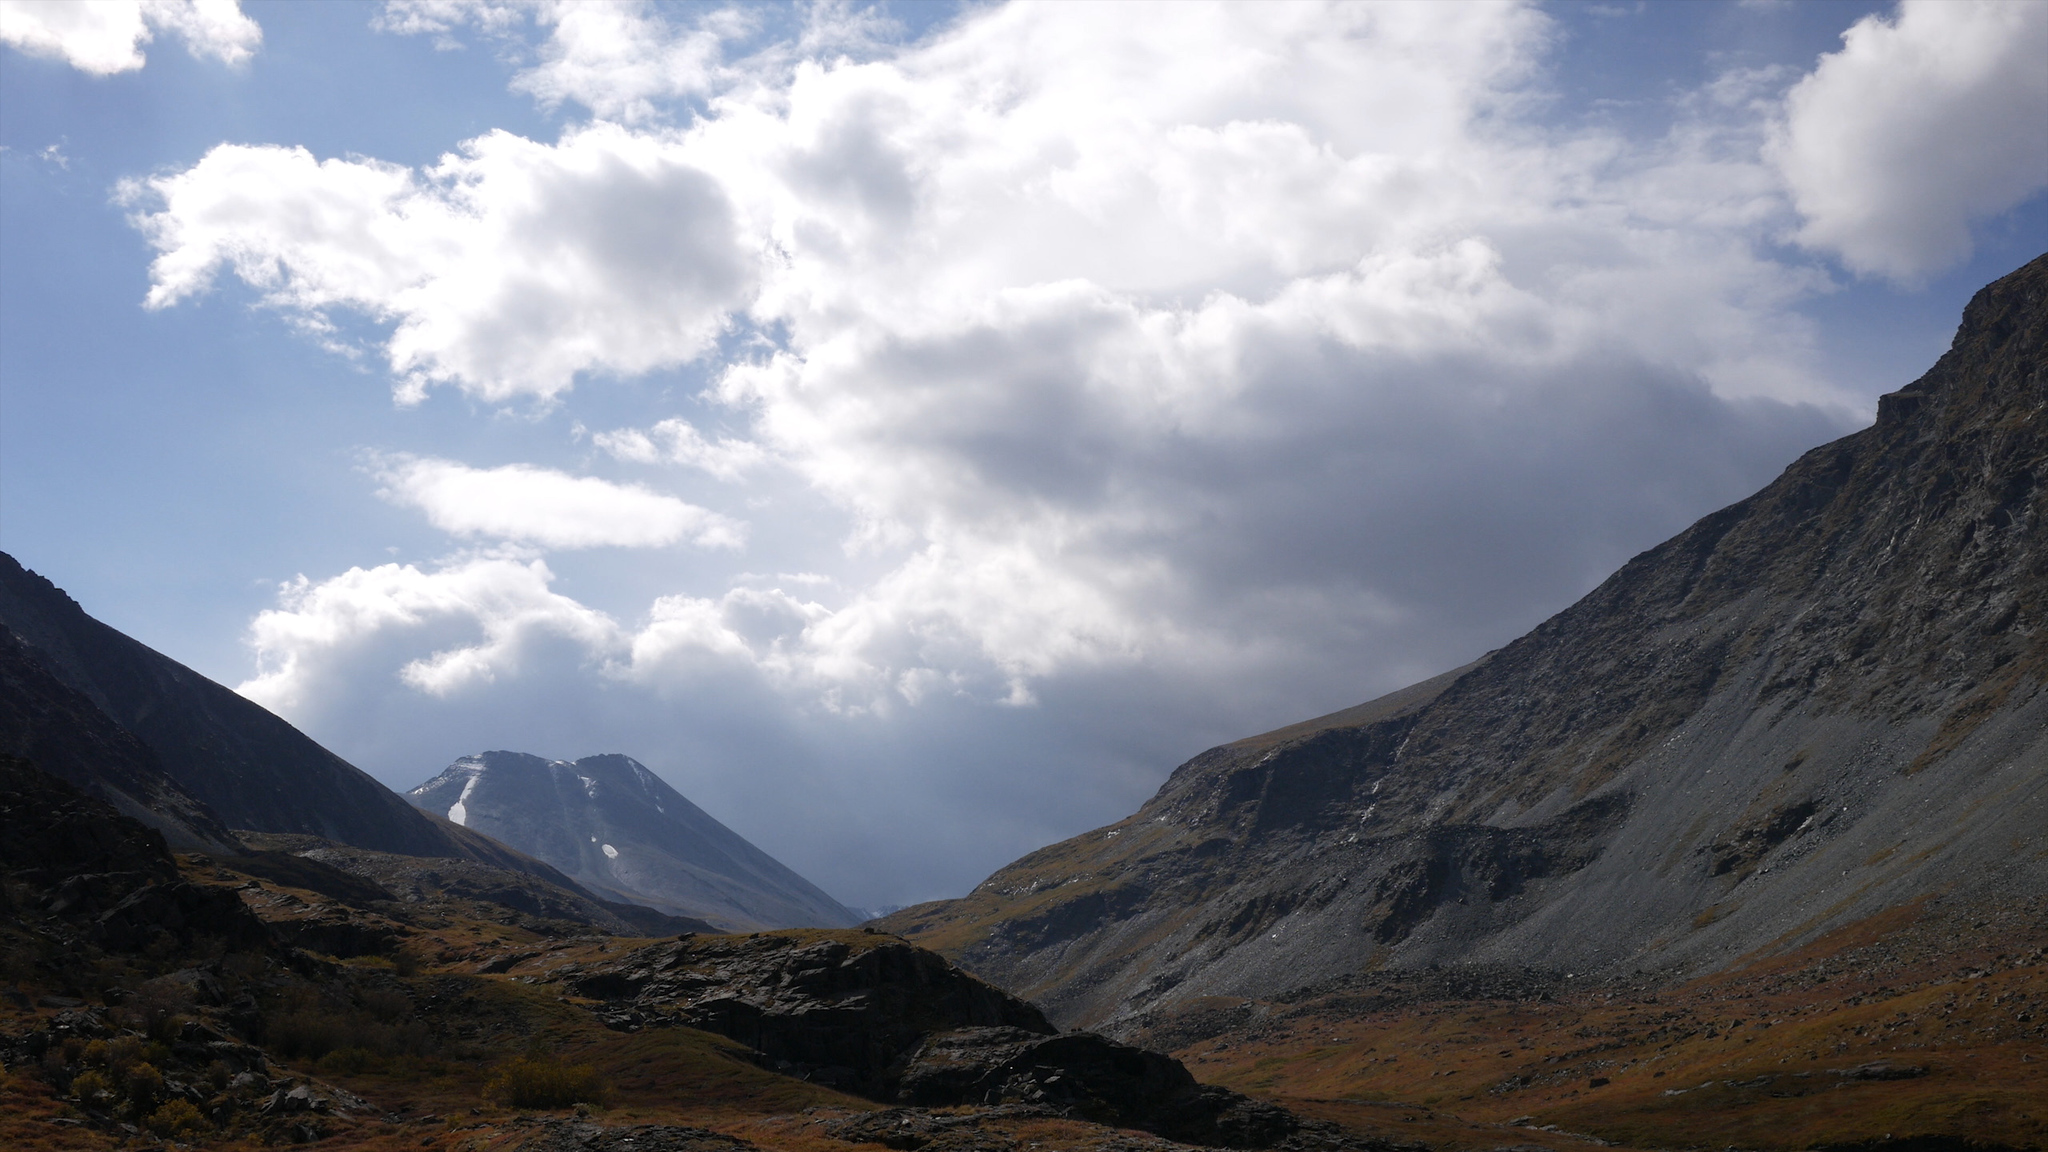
(115, 1055)
(308, 1027)
(92, 1087)
(350, 1062)
(177, 1118)
(145, 1086)
(535, 1081)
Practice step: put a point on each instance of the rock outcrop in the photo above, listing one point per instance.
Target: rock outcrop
(871, 1014)
(1824, 701)
(622, 832)
(80, 875)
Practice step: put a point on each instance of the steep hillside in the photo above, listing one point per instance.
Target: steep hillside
(1821, 702)
(59, 730)
(249, 766)
(624, 833)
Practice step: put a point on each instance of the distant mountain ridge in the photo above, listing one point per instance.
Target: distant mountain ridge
(1820, 703)
(625, 834)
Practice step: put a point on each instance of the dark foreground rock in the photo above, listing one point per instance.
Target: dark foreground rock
(839, 1008)
(1083, 1076)
(870, 1014)
(88, 875)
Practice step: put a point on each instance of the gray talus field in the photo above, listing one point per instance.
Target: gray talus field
(1821, 702)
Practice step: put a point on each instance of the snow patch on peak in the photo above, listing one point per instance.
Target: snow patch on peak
(458, 812)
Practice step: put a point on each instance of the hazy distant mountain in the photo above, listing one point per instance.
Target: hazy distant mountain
(1825, 701)
(626, 835)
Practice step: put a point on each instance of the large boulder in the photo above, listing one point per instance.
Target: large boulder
(874, 1015)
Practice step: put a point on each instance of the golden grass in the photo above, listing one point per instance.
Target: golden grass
(1751, 1059)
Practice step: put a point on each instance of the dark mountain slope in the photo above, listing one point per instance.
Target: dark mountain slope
(59, 730)
(623, 832)
(249, 766)
(187, 756)
(1818, 703)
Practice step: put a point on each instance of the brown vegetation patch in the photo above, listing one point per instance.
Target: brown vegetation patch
(1932, 1026)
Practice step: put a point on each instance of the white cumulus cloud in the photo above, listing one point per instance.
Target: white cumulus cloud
(1923, 123)
(529, 505)
(507, 268)
(1110, 337)
(1101, 369)
(104, 37)
(484, 617)
(677, 441)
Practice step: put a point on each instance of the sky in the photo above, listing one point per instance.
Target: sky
(913, 429)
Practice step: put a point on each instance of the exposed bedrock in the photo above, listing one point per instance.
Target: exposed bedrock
(870, 1014)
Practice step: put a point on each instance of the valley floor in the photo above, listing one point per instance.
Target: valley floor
(1926, 1021)
(1921, 1022)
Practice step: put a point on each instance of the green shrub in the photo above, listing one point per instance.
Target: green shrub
(308, 1028)
(144, 1086)
(350, 1062)
(544, 1082)
(115, 1055)
(177, 1118)
(91, 1087)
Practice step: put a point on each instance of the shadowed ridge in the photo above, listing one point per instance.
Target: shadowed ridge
(191, 757)
(63, 733)
(254, 769)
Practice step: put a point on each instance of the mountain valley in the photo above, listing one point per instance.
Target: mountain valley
(1747, 849)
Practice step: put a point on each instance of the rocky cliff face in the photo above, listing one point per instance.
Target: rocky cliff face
(1820, 702)
(624, 833)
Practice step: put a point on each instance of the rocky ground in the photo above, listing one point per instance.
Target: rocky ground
(153, 1000)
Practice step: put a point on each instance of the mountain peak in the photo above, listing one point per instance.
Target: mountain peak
(622, 831)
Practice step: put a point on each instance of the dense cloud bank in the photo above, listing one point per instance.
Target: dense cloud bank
(1157, 377)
